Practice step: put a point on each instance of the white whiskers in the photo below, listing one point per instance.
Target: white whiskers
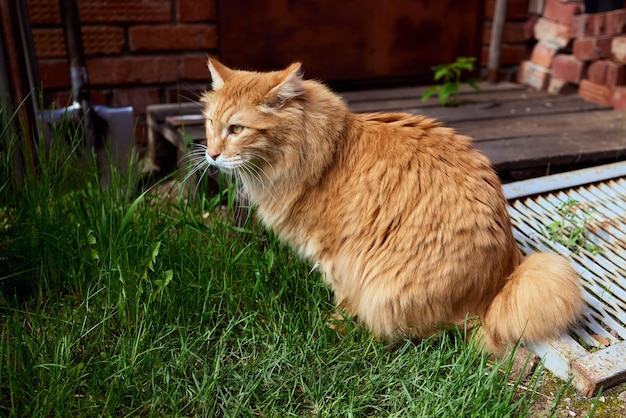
(195, 161)
(243, 168)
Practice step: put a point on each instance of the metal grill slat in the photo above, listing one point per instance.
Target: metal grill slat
(603, 275)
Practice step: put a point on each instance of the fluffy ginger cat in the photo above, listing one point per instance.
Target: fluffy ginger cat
(406, 221)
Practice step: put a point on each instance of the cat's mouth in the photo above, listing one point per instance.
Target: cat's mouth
(227, 165)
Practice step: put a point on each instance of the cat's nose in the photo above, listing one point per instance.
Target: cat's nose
(213, 155)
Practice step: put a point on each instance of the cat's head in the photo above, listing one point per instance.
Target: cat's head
(253, 120)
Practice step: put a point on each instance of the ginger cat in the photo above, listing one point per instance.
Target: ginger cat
(407, 222)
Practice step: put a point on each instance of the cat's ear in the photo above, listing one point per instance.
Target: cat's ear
(288, 87)
(219, 73)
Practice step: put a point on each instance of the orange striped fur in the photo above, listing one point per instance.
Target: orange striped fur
(406, 220)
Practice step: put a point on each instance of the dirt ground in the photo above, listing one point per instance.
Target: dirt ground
(609, 404)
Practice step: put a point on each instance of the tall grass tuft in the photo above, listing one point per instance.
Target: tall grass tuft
(124, 302)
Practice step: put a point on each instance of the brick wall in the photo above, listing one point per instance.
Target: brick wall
(138, 52)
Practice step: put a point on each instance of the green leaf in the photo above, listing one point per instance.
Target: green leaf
(442, 72)
(429, 92)
(472, 83)
(91, 240)
(155, 253)
(93, 254)
(167, 278)
(448, 90)
(131, 210)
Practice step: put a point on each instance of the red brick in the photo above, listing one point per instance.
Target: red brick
(618, 49)
(568, 67)
(593, 48)
(57, 99)
(44, 12)
(99, 97)
(582, 26)
(49, 43)
(139, 98)
(561, 12)
(596, 24)
(595, 93)
(599, 24)
(510, 54)
(551, 31)
(54, 73)
(534, 75)
(615, 74)
(194, 67)
(47, 12)
(172, 37)
(543, 53)
(129, 70)
(515, 10)
(618, 98)
(615, 22)
(189, 11)
(596, 72)
(560, 86)
(125, 11)
(62, 98)
(103, 40)
(97, 40)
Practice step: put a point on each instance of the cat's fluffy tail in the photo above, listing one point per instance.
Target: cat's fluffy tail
(540, 300)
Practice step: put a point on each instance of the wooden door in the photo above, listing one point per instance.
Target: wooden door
(350, 42)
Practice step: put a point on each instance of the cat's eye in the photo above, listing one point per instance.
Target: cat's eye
(235, 129)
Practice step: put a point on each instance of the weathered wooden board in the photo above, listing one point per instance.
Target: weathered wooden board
(410, 103)
(509, 110)
(612, 123)
(543, 150)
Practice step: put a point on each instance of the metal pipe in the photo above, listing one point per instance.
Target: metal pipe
(78, 68)
(495, 45)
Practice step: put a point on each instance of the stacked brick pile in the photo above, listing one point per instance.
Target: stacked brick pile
(578, 52)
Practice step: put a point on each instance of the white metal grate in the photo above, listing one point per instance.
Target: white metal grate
(594, 354)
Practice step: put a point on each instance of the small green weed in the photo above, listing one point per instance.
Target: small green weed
(571, 229)
(449, 75)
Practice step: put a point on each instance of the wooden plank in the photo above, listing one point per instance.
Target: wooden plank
(566, 148)
(160, 111)
(196, 132)
(491, 111)
(185, 120)
(565, 123)
(498, 97)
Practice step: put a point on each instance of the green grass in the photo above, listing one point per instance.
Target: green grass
(119, 302)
